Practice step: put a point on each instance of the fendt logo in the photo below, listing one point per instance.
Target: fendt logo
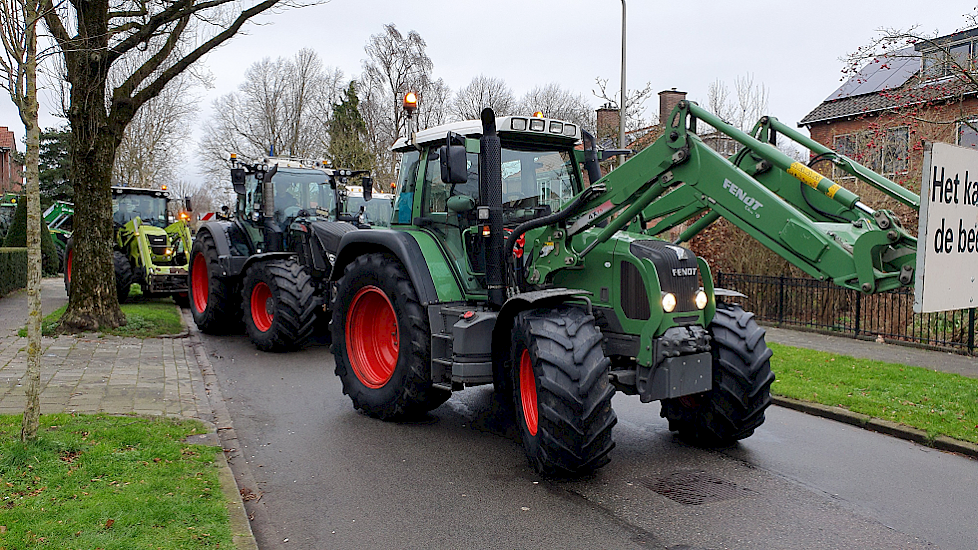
(683, 271)
(750, 203)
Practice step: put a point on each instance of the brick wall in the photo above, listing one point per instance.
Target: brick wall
(11, 177)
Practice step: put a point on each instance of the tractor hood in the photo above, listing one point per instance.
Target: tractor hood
(330, 233)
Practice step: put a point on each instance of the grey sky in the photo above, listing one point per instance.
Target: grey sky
(794, 49)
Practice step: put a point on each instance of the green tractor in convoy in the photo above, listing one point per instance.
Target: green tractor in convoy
(502, 267)
(8, 204)
(149, 248)
(268, 265)
(59, 217)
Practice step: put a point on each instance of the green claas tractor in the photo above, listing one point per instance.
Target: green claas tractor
(149, 248)
(502, 267)
(268, 265)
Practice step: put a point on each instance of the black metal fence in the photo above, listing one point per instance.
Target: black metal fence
(825, 307)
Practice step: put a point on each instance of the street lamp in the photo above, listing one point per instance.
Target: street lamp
(621, 106)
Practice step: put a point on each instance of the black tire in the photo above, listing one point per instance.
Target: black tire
(389, 377)
(214, 303)
(742, 379)
(123, 275)
(277, 298)
(569, 392)
(69, 257)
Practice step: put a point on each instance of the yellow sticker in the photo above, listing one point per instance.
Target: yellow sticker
(807, 176)
(832, 190)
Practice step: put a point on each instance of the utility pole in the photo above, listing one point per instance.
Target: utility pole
(621, 106)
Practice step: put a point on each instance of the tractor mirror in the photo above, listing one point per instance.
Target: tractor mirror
(368, 187)
(238, 180)
(453, 166)
(187, 205)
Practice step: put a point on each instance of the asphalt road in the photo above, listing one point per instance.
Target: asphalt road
(329, 477)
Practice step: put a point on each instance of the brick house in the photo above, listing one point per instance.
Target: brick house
(11, 172)
(882, 114)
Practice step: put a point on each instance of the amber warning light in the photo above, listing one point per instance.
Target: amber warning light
(410, 102)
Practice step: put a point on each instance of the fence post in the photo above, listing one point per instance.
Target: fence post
(971, 331)
(859, 314)
(780, 299)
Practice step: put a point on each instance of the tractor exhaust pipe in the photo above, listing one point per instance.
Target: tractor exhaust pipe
(491, 191)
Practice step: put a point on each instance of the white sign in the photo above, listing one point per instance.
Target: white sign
(947, 244)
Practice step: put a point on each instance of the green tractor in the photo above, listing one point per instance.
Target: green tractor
(8, 204)
(149, 248)
(59, 217)
(502, 267)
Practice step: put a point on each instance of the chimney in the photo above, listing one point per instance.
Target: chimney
(668, 99)
(607, 121)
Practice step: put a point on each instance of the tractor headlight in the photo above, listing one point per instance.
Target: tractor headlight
(668, 302)
(701, 299)
(168, 252)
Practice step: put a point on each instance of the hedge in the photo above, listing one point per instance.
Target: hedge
(17, 237)
(13, 269)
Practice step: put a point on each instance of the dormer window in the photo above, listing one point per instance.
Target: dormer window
(947, 61)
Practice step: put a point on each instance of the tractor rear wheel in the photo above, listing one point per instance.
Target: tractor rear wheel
(741, 391)
(69, 256)
(213, 303)
(123, 275)
(279, 306)
(382, 340)
(561, 391)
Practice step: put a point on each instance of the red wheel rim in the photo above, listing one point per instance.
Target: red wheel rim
(200, 283)
(372, 337)
(528, 392)
(71, 254)
(260, 314)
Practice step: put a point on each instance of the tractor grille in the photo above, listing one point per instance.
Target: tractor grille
(677, 268)
(157, 243)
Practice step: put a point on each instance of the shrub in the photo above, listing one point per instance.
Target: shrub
(17, 237)
(13, 274)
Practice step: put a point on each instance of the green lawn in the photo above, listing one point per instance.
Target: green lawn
(109, 482)
(936, 402)
(145, 318)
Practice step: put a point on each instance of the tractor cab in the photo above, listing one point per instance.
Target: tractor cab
(540, 168)
(149, 205)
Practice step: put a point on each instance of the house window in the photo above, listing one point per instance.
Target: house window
(885, 152)
(896, 149)
(968, 134)
(948, 60)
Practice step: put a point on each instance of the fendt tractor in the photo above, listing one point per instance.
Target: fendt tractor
(270, 262)
(502, 267)
(149, 249)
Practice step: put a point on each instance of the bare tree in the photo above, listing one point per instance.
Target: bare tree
(482, 92)
(434, 107)
(19, 67)
(93, 37)
(748, 103)
(152, 148)
(556, 102)
(634, 104)
(280, 108)
(395, 64)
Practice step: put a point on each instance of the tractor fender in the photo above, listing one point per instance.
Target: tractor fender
(266, 256)
(502, 332)
(234, 250)
(399, 243)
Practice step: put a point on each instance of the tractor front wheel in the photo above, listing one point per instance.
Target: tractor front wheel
(741, 391)
(561, 391)
(123, 275)
(278, 303)
(382, 340)
(213, 303)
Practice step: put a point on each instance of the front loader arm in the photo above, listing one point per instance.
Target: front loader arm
(811, 221)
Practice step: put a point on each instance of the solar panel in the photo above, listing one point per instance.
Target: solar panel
(884, 73)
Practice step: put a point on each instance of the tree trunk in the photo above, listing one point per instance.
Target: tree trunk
(28, 114)
(93, 303)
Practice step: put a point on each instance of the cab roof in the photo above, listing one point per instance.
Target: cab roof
(119, 190)
(532, 128)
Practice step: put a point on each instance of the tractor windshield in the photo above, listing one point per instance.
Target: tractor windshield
(150, 210)
(377, 210)
(534, 179)
(297, 189)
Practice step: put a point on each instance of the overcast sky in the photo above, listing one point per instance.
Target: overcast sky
(793, 48)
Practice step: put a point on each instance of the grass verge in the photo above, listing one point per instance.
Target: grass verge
(145, 318)
(938, 403)
(95, 481)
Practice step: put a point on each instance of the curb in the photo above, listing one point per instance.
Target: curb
(236, 488)
(893, 429)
